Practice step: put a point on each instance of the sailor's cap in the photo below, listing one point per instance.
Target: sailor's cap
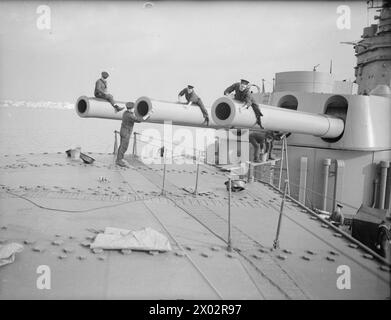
(129, 105)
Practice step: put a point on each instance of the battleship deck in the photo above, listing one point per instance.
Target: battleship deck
(47, 197)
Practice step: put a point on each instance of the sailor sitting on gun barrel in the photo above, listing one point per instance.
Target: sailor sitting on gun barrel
(242, 94)
(101, 91)
(192, 97)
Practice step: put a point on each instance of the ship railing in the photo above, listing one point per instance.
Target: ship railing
(265, 175)
(287, 194)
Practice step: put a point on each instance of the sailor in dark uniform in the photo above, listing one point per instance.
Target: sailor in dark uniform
(128, 120)
(192, 97)
(264, 140)
(101, 91)
(261, 140)
(242, 93)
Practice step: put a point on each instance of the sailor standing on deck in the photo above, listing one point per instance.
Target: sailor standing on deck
(242, 93)
(128, 120)
(191, 97)
(101, 91)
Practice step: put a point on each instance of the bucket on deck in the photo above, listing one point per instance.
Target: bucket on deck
(86, 159)
(236, 185)
(74, 153)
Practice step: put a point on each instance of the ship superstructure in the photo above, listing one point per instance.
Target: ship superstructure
(373, 52)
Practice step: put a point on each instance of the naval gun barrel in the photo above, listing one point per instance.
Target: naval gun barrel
(178, 113)
(155, 111)
(87, 107)
(227, 112)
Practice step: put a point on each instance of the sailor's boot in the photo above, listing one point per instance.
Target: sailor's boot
(257, 158)
(118, 108)
(121, 163)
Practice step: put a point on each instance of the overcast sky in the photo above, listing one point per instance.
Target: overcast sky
(157, 51)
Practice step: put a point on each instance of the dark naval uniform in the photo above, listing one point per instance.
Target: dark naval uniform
(259, 140)
(101, 91)
(128, 120)
(265, 139)
(196, 100)
(245, 96)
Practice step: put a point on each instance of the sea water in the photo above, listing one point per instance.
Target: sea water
(26, 129)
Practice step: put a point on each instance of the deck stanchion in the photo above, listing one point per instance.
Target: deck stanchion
(250, 173)
(326, 173)
(229, 247)
(134, 152)
(197, 175)
(281, 165)
(276, 243)
(271, 173)
(164, 178)
(163, 155)
(115, 151)
(287, 164)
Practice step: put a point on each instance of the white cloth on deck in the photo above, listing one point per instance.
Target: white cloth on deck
(146, 239)
(8, 251)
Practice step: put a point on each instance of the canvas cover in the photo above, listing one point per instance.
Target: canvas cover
(146, 239)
